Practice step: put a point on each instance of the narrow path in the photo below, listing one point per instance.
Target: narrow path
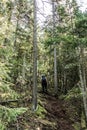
(57, 113)
(56, 118)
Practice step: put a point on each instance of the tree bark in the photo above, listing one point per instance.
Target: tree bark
(55, 71)
(24, 65)
(34, 106)
(55, 57)
(83, 81)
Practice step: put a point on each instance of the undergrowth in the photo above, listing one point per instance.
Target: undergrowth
(9, 114)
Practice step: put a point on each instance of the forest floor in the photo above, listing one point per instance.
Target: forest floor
(52, 114)
(57, 113)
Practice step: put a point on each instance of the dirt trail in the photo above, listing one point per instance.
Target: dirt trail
(56, 118)
(58, 113)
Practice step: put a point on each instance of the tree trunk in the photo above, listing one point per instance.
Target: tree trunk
(35, 60)
(55, 71)
(55, 57)
(24, 64)
(83, 81)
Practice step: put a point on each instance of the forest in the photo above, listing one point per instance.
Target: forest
(29, 52)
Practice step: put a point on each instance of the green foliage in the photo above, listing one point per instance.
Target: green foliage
(51, 41)
(5, 86)
(70, 65)
(73, 93)
(16, 51)
(41, 112)
(4, 71)
(81, 27)
(80, 30)
(62, 12)
(2, 126)
(9, 114)
(7, 93)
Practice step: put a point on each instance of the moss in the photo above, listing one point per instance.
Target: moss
(76, 126)
(41, 112)
(74, 93)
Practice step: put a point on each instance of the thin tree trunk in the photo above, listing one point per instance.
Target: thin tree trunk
(55, 71)
(65, 83)
(24, 64)
(55, 57)
(35, 60)
(83, 81)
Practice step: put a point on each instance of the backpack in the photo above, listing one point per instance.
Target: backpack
(43, 79)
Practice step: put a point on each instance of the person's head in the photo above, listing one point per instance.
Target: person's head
(43, 76)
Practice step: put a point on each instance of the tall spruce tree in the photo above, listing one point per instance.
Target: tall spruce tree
(35, 57)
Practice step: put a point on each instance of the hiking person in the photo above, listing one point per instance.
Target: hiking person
(44, 84)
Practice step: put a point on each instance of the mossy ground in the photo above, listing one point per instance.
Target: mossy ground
(53, 113)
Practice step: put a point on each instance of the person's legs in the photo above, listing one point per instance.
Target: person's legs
(43, 87)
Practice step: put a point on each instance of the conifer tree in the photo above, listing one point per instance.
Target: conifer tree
(35, 57)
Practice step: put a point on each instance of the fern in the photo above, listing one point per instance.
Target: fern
(8, 115)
